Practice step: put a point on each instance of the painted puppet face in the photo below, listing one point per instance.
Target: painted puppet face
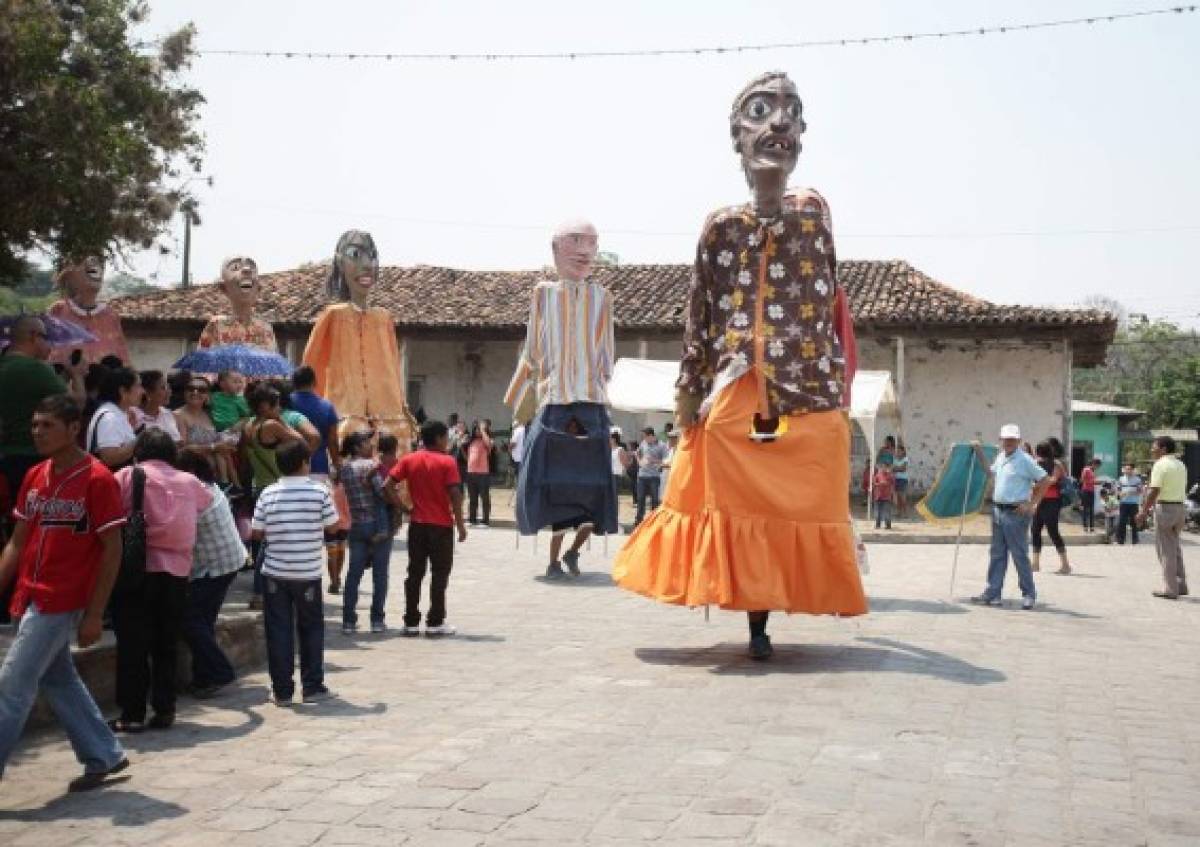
(239, 280)
(575, 245)
(83, 279)
(359, 264)
(766, 126)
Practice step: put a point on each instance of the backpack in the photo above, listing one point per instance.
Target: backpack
(133, 536)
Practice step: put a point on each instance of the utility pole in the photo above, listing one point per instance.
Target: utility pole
(188, 207)
(187, 247)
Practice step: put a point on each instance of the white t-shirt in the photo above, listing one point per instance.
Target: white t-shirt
(164, 419)
(516, 444)
(618, 467)
(109, 427)
(293, 514)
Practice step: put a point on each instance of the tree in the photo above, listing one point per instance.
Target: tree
(1153, 366)
(94, 131)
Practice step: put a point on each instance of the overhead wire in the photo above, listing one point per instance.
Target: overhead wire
(733, 49)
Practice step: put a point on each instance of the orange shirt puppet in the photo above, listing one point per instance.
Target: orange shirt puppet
(755, 516)
(354, 350)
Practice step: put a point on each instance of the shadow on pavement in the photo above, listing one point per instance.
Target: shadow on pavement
(185, 733)
(592, 579)
(888, 656)
(1042, 608)
(119, 807)
(925, 607)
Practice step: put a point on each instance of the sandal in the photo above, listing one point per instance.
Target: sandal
(127, 727)
(162, 720)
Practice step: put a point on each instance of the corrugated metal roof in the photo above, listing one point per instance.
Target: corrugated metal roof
(1088, 407)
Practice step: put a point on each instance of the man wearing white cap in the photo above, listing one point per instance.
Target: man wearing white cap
(1018, 483)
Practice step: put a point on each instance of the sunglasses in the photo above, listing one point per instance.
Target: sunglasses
(197, 389)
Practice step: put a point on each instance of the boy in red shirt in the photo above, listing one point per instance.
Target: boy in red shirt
(65, 552)
(435, 489)
(883, 488)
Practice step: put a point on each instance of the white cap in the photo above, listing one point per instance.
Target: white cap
(1010, 431)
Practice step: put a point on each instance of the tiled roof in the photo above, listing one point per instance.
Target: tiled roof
(883, 295)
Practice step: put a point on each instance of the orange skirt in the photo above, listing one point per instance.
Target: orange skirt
(748, 525)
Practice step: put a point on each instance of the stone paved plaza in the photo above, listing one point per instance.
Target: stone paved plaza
(578, 714)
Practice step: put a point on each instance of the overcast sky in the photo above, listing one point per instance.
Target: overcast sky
(1034, 168)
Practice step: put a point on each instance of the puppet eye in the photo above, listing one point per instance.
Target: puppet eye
(794, 110)
(353, 252)
(757, 107)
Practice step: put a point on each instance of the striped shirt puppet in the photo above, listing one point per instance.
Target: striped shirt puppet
(568, 353)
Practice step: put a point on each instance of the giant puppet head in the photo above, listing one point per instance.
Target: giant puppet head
(575, 244)
(766, 123)
(355, 268)
(239, 281)
(82, 279)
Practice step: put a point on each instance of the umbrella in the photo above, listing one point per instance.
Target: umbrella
(236, 357)
(59, 333)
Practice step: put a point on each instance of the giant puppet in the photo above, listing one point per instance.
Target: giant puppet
(80, 282)
(755, 516)
(239, 282)
(565, 481)
(353, 347)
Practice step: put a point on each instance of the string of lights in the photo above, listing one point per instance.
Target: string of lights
(863, 41)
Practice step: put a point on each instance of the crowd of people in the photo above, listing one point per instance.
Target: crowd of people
(135, 499)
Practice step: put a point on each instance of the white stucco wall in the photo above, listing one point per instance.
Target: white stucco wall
(154, 353)
(964, 391)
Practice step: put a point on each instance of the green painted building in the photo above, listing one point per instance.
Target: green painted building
(1096, 433)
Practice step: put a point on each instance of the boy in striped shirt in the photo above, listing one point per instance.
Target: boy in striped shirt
(291, 518)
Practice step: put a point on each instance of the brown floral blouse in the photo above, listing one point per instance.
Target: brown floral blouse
(764, 298)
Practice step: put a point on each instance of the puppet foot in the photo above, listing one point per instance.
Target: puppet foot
(760, 647)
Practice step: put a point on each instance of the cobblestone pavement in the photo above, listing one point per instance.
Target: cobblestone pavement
(578, 714)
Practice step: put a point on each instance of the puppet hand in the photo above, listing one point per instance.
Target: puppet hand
(526, 409)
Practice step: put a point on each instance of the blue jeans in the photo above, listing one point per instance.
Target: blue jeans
(292, 607)
(363, 553)
(1010, 535)
(647, 489)
(40, 657)
(210, 665)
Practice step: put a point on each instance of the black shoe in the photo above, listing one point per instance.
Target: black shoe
(571, 560)
(760, 647)
(95, 779)
(1183, 592)
(161, 720)
(554, 571)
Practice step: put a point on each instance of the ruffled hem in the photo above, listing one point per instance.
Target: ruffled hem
(743, 563)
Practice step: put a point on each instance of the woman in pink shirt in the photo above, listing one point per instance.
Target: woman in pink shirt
(147, 616)
(479, 471)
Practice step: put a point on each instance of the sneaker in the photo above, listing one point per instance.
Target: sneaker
(318, 694)
(378, 627)
(439, 631)
(349, 628)
(760, 647)
(984, 600)
(281, 701)
(1027, 603)
(410, 631)
(554, 571)
(571, 560)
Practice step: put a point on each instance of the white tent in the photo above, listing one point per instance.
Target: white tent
(872, 398)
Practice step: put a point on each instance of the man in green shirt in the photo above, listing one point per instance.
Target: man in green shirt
(26, 378)
(1166, 494)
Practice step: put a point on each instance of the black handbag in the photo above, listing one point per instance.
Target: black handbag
(133, 536)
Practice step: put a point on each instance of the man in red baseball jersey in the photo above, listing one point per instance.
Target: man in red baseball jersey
(65, 552)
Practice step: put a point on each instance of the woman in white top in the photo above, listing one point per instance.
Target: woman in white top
(110, 434)
(153, 413)
(620, 459)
